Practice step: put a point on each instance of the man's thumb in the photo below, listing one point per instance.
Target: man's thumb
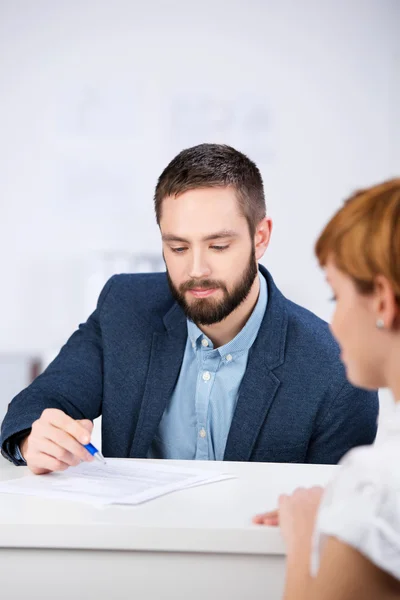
(87, 424)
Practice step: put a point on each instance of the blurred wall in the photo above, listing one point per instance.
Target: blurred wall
(96, 97)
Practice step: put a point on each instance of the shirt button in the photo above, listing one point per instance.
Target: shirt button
(193, 344)
(204, 342)
(202, 433)
(206, 376)
(228, 357)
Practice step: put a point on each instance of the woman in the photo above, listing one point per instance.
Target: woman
(344, 543)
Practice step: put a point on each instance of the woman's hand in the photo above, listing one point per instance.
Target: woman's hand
(296, 516)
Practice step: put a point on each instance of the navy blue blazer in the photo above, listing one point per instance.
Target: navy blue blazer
(294, 404)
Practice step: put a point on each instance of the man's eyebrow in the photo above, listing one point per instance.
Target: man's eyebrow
(170, 237)
(225, 233)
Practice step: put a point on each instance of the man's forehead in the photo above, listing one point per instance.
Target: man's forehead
(215, 199)
(202, 214)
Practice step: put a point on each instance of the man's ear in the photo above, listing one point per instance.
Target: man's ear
(262, 236)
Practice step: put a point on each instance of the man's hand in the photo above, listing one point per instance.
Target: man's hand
(55, 442)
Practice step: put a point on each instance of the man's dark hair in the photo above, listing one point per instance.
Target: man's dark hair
(214, 165)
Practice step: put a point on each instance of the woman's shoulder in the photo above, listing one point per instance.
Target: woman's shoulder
(379, 462)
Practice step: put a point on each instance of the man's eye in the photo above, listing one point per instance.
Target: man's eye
(219, 248)
(178, 250)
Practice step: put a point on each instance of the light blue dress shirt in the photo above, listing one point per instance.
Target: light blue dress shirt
(196, 422)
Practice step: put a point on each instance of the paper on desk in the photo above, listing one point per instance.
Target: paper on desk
(120, 481)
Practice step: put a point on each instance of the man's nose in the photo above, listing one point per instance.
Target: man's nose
(199, 268)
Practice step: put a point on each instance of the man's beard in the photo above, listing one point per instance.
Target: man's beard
(208, 311)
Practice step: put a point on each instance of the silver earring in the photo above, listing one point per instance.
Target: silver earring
(380, 323)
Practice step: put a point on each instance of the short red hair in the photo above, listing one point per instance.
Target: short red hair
(363, 237)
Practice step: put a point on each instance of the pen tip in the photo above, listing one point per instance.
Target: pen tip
(100, 458)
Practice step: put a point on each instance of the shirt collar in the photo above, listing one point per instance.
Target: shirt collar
(243, 341)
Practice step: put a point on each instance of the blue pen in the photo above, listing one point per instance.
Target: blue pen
(96, 453)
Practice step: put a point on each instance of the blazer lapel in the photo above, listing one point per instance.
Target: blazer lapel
(259, 384)
(256, 395)
(166, 357)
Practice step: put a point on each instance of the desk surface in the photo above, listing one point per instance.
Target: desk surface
(213, 518)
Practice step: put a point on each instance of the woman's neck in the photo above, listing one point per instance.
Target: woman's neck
(393, 373)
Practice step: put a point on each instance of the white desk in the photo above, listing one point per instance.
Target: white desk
(193, 544)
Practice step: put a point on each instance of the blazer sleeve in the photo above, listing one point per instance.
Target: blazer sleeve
(349, 420)
(73, 382)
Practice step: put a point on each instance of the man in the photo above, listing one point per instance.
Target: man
(207, 361)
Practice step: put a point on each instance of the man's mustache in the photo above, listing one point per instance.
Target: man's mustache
(205, 284)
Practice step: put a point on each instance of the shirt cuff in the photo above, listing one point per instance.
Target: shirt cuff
(11, 450)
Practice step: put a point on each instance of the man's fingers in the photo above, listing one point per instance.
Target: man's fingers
(44, 463)
(59, 419)
(56, 442)
(49, 448)
(67, 442)
(38, 470)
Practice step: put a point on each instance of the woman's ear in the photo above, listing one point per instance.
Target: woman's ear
(385, 303)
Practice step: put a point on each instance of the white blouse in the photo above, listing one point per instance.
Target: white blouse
(361, 506)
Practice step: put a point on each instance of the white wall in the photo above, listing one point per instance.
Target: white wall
(96, 97)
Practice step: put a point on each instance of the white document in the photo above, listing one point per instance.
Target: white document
(120, 481)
